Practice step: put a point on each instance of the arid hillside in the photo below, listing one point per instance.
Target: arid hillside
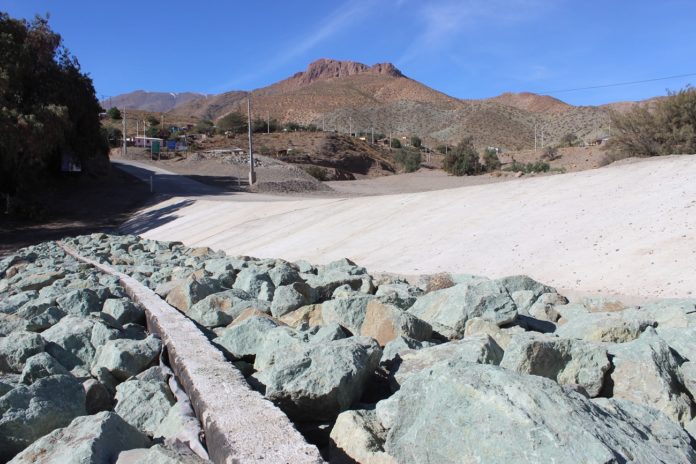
(345, 95)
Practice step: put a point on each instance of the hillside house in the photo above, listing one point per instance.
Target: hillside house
(146, 142)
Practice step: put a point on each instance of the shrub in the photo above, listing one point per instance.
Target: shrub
(234, 122)
(443, 149)
(529, 168)
(317, 172)
(569, 140)
(490, 160)
(395, 143)
(463, 159)
(410, 160)
(114, 113)
(205, 126)
(550, 153)
(416, 141)
(669, 128)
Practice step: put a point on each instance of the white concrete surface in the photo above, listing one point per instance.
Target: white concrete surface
(627, 229)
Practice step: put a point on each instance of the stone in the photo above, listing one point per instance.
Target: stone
(688, 376)
(321, 380)
(80, 302)
(646, 372)
(161, 454)
(480, 326)
(29, 412)
(385, 322)
(39, 366)
(256, 282)
(615, 327)
(278, 343)
(392, 351)
(125, 358)
(348, 312)
(92, 439)
(190, 291)
(544, 308)
(124, 311)
(245, 338)
(466, 409)
(525, 291)
(17, 347)
(288, 298)
(10, 304)
(327, 281)
(568, 362)
(602, 304)
(448, 310)
(474, 350)
(357, 436)
(284, 275)
(69, 341)
(97, 396)
(310, 315)
(681, 340)
(399, 294)
(154, 374)
(142, 404)
(38, 281)
(219, 309)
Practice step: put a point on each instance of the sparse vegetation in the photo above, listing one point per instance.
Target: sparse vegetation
(205, 126)
(569, 140)
(409, 159)
(463, 159)
(395, 143)
(317, 172)
(234, 122)
(491, 162)
(114, 113)
(668, 128)
(550, 153)
(443, 149)
(416, 141)
(529, 168)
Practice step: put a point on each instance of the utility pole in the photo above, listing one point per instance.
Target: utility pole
(373, 134)
(323, 123)
(137, 130)
(268, 121)
(542, 137)
(252, 174)
(350, 126)
(125, 150)
(535, 138)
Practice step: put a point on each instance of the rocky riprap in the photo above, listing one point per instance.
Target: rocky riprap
(371, 369)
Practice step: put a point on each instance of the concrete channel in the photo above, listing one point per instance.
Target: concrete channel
(240, 425)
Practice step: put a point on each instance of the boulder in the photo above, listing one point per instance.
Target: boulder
(288, 298)
(544, 308)
(385, 322)
(17, 347)
(284, 275)
(39, 366)
(615, 327)
(174, 453)
(80, 302)
(124, 311)
(394, 349)
(466, 409)
(38, 281)
(357, 436)
(448, 310)
(646, 372)
(256, 282)
(97, 396)
(348, 312)
(142, 404)
(221, 308)
(124, 358)
(190, 291)
(399, 294)
(93, 439)
(525, 291)
(688, 376)
(321, 380)
(310, 315)
(327, 281)
(245, 337)
(29, 412)
(474, 350)
(480, 326)
(69, 341)
(277, 343)
(571, 362)
(681, 340)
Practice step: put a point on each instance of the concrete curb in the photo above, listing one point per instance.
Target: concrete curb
(240, 425)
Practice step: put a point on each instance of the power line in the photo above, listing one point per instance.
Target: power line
(618, 84)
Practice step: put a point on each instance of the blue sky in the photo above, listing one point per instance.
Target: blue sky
(465, 48)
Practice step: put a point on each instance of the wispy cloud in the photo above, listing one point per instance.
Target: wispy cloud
(444, 21)
(331, 25)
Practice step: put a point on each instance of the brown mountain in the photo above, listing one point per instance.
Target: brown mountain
(343, 95)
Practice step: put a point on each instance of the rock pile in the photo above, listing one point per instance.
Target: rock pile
(80, 377)
(370, 369)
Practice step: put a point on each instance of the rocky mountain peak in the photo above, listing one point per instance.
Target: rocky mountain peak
(329, 69)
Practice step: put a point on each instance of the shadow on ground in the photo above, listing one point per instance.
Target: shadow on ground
(153, 218)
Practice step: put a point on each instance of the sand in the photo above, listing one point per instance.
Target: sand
(628, 229)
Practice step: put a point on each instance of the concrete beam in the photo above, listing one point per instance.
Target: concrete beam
(240, 424)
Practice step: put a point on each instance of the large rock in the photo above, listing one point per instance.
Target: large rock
(174, 453)
(143, 404)
(123, 311)
(69, 341)
(244, 338)
(190, 291)
(385, 322)
(40, 314)
(349, 312)
(93, 439)
(321, 380)
(399, 294)
(480, 326)
(17, 347)
(646, 372)
(310, 315)
(124, 358)
(482, 413)
(288, 298)
(394, 349)
(38, 281)
(573, 362)
(357, 436)
(525, 291)
(616, 327)
(29, 412)
(256, 282)
(331, 278)
(80, 302)
(680, 339)
(688, 376)
(476, 350)
(219, 309)
(39, 366)
(448, 310)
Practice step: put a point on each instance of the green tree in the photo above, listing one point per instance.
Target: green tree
(463, 159)
(416, 141)
(569, 140)
(234, 122)
(409, 159)
(153, 121)
(491, 162)
(205, 126)
(114, 113)
(292, 126)
(48, 107)
(395, 143)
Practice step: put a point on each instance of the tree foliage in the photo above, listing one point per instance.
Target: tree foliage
(409, 159)
(114, 113)
(463, 159)
(416, 141)
(491, 162)
(668, 128)
(47, 105)
(234, 122)
(395, 143)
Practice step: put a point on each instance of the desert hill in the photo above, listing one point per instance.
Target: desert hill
(343, 95)
(152, 101)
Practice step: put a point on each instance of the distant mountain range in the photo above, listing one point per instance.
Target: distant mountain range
(338, 95)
